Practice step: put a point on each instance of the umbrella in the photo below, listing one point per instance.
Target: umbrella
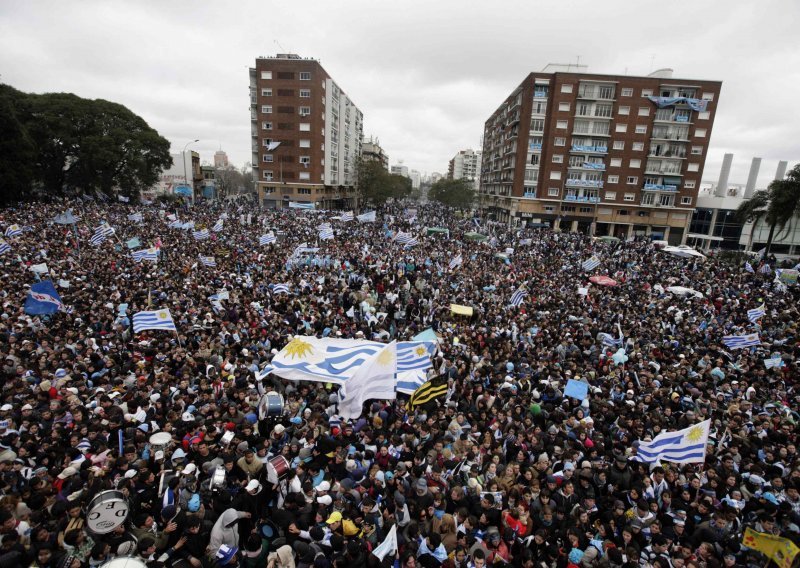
(684, 251)
(683, 291)
(608, 239)
(603, 281)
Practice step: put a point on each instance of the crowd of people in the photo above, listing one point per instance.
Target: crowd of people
(503, 469)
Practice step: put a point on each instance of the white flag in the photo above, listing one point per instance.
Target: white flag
(374, 379)
(351, 313)
(388, 546)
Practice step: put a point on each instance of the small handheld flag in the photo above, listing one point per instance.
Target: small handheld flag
(207, 261)
(518, 296)
(217, 226)
(433, 389)
(756, 313)
(684, 446)
(201, 235)
(267, 239)
(591, 263)
(158, 319)
(740, 341)
(749, 268)
(150, 254)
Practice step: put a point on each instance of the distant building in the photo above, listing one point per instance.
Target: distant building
(220, 159)
(185, 166)
(435, 176)
(466, 165)
(306, 133)
(371, 151)
(416, 178)
(400, 169)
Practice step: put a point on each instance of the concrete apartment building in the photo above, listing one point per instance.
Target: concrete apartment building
(466, 164)
(608, 154)
(371, 151)
(306, 135)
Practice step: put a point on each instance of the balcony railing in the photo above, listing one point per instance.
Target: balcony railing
(582, 198)
(540, 93)
(594, 149)
(535, 147)
(660, 187)
(598, 183)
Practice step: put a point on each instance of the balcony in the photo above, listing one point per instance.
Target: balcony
(659, 187)
(595, 183)
(675, 135)
(582, 198)
(534, 147)
(589, 149)
(659, 171)
(540, 93)
(595, 92)
(584, 165)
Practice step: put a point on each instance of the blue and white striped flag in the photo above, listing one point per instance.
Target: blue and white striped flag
(765, 269)
(280, 289)
(267, 239)
(756, 313)
(749, 268)
(101, 233)
(456, 262)
(404, 238)
(217, 226)
(412, 243)
(684, 446)
(207, 260)
(176, 224)
(157, 319)
(325, 233)
(13, 231)
(136, 217)
(150, 254)
(414, 355)
(368, 217)
(591, 263)
(201, 235)
(518, 296)
(346, 216)
(609, 340)
(187, 226)
(740, 341)
(4, 247)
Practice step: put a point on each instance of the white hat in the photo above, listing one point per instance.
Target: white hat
(159, 455)
(130, 473)
(325, 500)
(6, 408)
(188, 469)
(253, 487)
(324, 486)
(279, 429)
(27, 407)
(187, 417)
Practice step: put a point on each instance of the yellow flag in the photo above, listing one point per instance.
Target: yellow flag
(782, 551)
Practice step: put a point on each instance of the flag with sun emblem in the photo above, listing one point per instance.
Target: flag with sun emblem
(780, 550)
(158, 319)
(374, 379)
(684, 446)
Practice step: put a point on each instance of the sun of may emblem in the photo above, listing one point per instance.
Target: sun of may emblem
(420, 351)
(162, 315)
(297, 348)
(695, 434)
(386, 357)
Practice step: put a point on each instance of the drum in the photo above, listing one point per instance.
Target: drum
(160, 441)
(124, 562)
(269, 530)
(106, 511)
(277, 469)
(270, 405)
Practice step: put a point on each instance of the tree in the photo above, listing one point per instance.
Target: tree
(776, 205)
(376, 185)
(17, 151)
(458, 193)
(86, 146)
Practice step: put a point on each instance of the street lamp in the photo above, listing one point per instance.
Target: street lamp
(185, 174)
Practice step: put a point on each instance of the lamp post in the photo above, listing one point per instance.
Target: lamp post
(185, 174)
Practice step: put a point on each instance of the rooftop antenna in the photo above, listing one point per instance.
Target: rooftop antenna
(280, 46)
(652, 62)
(578, 64)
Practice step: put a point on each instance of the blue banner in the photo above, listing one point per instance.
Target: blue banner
(43, 299)
(699, 105)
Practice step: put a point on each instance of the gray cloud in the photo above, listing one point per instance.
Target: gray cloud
(425, 74)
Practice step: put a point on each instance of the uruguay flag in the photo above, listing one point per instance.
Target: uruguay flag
(217, 226)
(740, 341)
(207, 260)
(684, 446)
(150, 254)
(325, 234)
(201, 235)
(267, 239)
(158, 319)
(13, 231)
(43, 299)
(756, 313)
(280, 289)
(4, 247)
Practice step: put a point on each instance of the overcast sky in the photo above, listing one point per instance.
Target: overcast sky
(426, 74)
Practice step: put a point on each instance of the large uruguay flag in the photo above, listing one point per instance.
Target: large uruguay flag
(157, 319)
(43, 299)
(684, 446)
(373, 379)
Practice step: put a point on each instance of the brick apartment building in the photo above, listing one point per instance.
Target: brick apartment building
(306, 135)
(609, 154)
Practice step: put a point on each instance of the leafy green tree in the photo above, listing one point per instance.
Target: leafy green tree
(776, 205)
(458, 193)
(376, 185)
(17, 151)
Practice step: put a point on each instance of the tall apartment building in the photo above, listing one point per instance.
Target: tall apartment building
(371, 151)
(465, 165)
(306, 134)
(609, 154)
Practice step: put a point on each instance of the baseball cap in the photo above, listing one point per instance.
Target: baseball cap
(326, 500)
(324, 486)
(6, 408)
(335, 517)
(226, 553)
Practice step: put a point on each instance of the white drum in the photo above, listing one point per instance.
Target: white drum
(160, 441)
(107, 510)
(124, 562)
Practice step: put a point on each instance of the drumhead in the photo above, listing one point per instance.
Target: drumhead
(124, 562)
(160, 439)
(107, 511)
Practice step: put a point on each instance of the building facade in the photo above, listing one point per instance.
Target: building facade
(220, 159)
(607, 154)
(184, 173)
(371, 151)
(306, 132)
(466, 164)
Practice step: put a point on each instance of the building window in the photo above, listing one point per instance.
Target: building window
(700, 132)
(305, 76)
(568, 209)
(269, 190)
(636, 163)
(705, 115)
(267, 175)
(693, 167)
(647, 92)
(563, 107)
(266, 109)
(561, 124)
(304, 176)
(631, 180)
(558, 158)
(627, 92)
(305, 127)
(305, 93)
(686, 200)
(267, 158)
(555, 175)
(549, 208)
(613, 179)
(619, 145)
(305, 160)
(624, 110)
(560, 141)
(266, 126)
(305, 143)
(621, 128)
(644, 111)
(666, 200)
(539, 107)
(615, 162)
(629, 196)
(566, 88)
(537, 125)
(305, 111)
(266, 74)
(622, 212)
(266, 92)
(638, 146)
(641, 129)
(688, 184)
(585, 209)
(304, 191)
(697, 150)
(553, 192)
(708, 96)
(610, 195)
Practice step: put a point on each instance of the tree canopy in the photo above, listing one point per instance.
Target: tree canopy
(458, 193)
(776, 205)
(62, 144)
(376, 185)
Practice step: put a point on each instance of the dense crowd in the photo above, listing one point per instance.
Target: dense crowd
(503, 469)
